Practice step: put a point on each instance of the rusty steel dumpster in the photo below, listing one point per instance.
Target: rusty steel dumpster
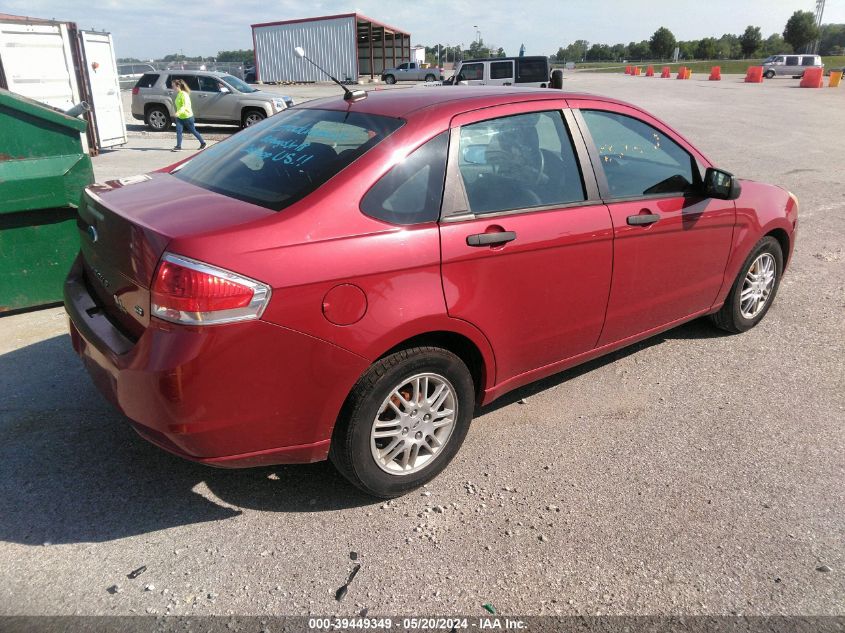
(43, 170)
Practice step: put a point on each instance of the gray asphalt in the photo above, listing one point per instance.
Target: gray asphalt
(694, 473)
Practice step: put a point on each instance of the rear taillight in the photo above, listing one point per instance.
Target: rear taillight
(135, 90)
(191, 292)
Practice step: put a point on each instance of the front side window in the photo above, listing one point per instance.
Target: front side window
(279, 161)
(636, 158)
(501, 70)
(209, 84)
(411, 192)
(778, 60)
(471, 72)
(519, 162)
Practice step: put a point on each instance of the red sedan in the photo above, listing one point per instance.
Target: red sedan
(351, 279)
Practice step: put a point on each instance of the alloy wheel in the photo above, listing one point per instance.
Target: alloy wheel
(757, 286)
(414, 424)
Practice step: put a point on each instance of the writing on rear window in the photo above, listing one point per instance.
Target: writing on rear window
(286, 157)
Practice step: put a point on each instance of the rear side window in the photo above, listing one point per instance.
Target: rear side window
(191, 80)
(809, 61)
(147, 81)
(792, 61)
(501, 70)
(519, 162)
(284, 158)
(411, 192)
(532, 70)
(638, 159)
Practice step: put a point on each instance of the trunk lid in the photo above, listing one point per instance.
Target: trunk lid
(125, 226)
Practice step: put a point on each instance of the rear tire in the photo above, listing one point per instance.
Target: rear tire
(404, 421)
(157, 118)
(429, 78)
(390, 79)
(751, 295)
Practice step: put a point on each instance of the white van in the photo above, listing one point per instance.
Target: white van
(790, 65)
(503, 71)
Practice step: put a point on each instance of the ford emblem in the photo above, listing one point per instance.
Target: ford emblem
(92, 232)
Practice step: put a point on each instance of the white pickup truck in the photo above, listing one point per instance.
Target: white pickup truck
(411, 71)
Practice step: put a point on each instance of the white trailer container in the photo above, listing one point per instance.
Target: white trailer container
(55, 63)
(347, 46)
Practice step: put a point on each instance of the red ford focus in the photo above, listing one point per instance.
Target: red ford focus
(350, 279)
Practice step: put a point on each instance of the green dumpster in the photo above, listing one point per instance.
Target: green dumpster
(43, 170)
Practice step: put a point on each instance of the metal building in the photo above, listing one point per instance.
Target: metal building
(348, 46)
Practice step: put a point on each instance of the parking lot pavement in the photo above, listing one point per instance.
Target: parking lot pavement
(692, 473)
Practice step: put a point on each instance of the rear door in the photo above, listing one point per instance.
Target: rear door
(671, 244)
(197, 105)
(501, 73)
(526, 243)
(792, 65)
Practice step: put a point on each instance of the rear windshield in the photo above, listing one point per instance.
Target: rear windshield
(284, 158)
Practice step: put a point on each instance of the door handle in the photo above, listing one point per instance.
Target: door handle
(489, 239)
(643, 219)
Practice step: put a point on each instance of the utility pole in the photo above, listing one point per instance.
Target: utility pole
(819, 16)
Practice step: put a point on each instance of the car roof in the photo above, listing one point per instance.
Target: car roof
(503, 59)
(216, 73)
(401, 102)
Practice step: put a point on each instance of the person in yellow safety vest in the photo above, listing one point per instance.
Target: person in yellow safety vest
(184, 114)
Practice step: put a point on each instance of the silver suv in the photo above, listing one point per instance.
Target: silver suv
(215, 98)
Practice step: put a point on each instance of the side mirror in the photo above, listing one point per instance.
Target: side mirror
(721, 185)
(224, 90)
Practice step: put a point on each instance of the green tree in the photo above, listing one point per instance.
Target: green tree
(774, 45)
(750, 41)
(243, 56)
(707, 48)
(800, 30)
(832, 39)
(688, 49)
(662, 43)
(639, 50)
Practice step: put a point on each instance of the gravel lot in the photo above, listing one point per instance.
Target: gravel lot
(695, 473)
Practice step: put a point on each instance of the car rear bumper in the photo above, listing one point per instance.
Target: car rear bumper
(235, 395)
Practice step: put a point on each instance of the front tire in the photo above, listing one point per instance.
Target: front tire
(404, 421)
(754, 289)
(429, 78)
(251, 117)
(390, 79)
(769, 74)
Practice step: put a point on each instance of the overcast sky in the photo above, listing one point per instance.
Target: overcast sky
(154, 28)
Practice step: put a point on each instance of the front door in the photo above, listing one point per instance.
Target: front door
(526, 244)
(671, 244)
(472, 73)
(215, 104)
